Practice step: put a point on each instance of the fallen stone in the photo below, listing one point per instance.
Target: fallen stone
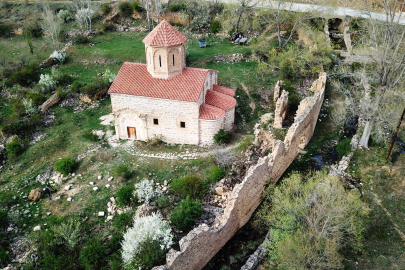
(91, 183)
(101, 214)
(69, 199)
(99, 177)
(67, 187)
(107, 186)
(37, 228)
(48, 213)
(95, 188)
(109, 218)
(36, 194)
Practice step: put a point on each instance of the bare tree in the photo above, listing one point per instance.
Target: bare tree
(52, 25)
(84, 14)
(148, 4)
(158, 9)
(376, 87)
(244, 5)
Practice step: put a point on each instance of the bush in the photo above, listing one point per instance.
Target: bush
(22, 128)
(65, 16)
(222, 136)
(3, 220)
(108, 27)
(26, 76)
(215, 26)
(106, 8)
(124, 196)
(185, 215)
(81, 39)
(58, 56)
(189, 185)
(14, 148)
(65, 165)
(33, 29)
(121, 221)
(122, 171)
(64, 79)
(217, 174)
(76, 87)
(343, 148)
(89, 135)
(177, 7)
(137, 6)
(293, 98)
(37, 98)
(126, 9)
(5, 30)
(162, 202)
(47, 82)
(93, 88)
(136, 251)
(93, 254)
(146, 191)
(4, 257)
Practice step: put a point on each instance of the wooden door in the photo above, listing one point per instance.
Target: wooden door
(131, 132)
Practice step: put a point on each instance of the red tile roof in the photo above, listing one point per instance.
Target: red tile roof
(134, 79)
(219, 100)
(164, 35)
(209, 112)
(224, 90)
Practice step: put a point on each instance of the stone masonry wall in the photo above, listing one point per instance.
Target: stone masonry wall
(129, 108)
(281, 110)
(208, 128)
(229, 119)
(203, 242)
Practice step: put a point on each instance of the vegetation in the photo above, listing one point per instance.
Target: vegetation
(190, 185)
(89, 135)
(221, 137)
(217, 174)
(93, 254)
(125, 9)
(65, 165)
(343, 148)
(14, 148)
(186, 214)
(124, 196)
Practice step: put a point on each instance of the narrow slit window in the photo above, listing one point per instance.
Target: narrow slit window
(160, 61)
(173, 59)
(155, 121)
(150, 58)
(183, 124)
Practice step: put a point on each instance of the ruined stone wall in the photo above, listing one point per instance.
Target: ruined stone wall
(203, 242)
(281, 110)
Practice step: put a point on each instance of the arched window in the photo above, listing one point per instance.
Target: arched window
(160, 61)
(173, 59)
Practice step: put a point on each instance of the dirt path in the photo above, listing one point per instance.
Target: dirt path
(397, 228)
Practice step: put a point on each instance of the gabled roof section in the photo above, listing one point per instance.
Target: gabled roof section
(134, 79)
(209, 112)
(164, 35)
(224, 90)
(219, 100)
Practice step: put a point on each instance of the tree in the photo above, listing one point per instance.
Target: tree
(244, 5)
(310, 220)
(158, 8)
(52, 25)
(84, 14)
(148, 4)
(376, 85)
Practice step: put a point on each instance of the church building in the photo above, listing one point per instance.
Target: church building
(164, 98)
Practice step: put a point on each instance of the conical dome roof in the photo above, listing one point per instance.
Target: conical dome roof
(164, 35)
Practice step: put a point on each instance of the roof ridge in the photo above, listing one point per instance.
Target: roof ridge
(164, 34)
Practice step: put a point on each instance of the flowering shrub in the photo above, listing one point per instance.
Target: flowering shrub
(59, 56)
(29, 108)
(65, 16)
(109, 76)
(46, 81)
(148, 229)
(146, 191)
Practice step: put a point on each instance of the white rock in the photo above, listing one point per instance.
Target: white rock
(101, 214)
(67, 187)
(109, 218)
(112, 199)
(110, 178)
(48, 213)
(9, 229)
(37, 228)
(95, 188)
(91, 183)
(107, 186)
(99, 177)
(69, 199)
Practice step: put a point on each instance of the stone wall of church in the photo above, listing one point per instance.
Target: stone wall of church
(229, 119)
(165, 62)
(140, 112)
(208, 128)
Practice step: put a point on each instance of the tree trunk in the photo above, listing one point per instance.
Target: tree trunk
(237, 23)
(147, 14)
(279, 35)
(366, 134)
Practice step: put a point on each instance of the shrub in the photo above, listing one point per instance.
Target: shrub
(33, 29)
(65, 16)
(146, 191)
(177, 7)
(109, 27)
(58, 56)
(93, 88)
(5, 30)
(22, 128)
(122, 171)
(65, 165)
(26, 76)
(109, 77)
(37, 98)
(135, 251)
(81, 39)
(137, 6)
(35, 118)
(4, 257)
(93, 254)
(76, 87)
(14, 148)
(162, 202)
(215, 26)
(124, 196)
(121, 221)
(67, 234)
(3, 220)
(89, 135)
(47, 82)
(343, 148)
(185, 215)
(106, 8)
(29, 108)
(222, 136)
(126, 9)
(189, 185)
(64, 79)
(217, 174)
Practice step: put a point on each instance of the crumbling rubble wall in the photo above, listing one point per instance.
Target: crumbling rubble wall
(281, 110)
(203, 242)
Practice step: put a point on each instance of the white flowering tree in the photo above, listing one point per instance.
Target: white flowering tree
(59, 56)
(84, 14)
(46, 81)
(150, 234)
(146, 191)
(29, 108)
